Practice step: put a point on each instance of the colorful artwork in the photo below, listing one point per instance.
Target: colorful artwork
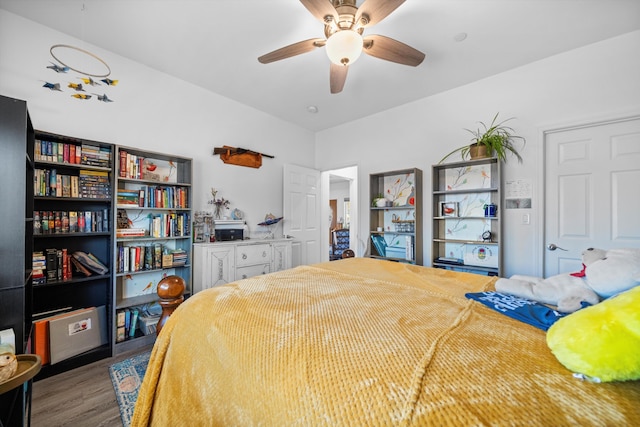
(400, 189)
(52, 86)
(469, 177)
(468, 204)
(143, 284)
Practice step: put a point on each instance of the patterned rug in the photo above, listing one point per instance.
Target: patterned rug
(126, 377)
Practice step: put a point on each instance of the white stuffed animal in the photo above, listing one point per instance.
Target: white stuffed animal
(606, 273)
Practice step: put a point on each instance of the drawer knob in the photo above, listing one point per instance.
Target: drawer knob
(264, 254)
(244, 256)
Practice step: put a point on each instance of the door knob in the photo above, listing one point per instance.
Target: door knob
(553, 247)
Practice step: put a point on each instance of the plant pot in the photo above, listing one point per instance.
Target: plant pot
(381, 203)
(478, 151)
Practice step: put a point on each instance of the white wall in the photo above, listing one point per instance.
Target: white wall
(154, 111)
(597, 81)
(158, 112)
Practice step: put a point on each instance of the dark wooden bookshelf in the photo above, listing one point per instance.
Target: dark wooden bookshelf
(78, 291)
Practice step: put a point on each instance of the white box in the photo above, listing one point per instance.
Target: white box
(481, 255)
(74, 334)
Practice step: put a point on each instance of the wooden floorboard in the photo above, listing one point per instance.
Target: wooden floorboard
(81, 397)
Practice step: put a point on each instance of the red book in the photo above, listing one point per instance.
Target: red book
(123, 164)
(65, 265)
(72, 153)
(137, 264)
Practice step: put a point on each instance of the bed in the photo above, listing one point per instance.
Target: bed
(361, 342)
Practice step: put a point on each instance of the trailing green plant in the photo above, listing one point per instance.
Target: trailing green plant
(376, 198)
(498, 139)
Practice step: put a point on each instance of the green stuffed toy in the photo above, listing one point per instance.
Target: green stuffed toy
(602, 342)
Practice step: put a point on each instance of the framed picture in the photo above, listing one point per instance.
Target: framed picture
(448, 208)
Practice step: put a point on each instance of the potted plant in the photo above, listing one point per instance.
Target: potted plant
(379, 200)
(494, 140)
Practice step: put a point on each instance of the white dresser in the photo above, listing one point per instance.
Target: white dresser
(215, 264)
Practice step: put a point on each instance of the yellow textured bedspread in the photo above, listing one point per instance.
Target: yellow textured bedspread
(363, 342)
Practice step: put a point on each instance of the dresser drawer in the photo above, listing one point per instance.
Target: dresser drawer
(252, 270)
(253, 254)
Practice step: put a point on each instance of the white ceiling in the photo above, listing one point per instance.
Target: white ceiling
(215, 44)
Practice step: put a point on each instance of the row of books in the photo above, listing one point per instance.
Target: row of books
(148, 257)
(382, 249)
(131, 165)
(87, 184)
(133, 319)
(163, 225)
(52, 265)
(154, 197)
(54, 222)
(170, 225)
(96, 156)
(57, 265)
(59, 152)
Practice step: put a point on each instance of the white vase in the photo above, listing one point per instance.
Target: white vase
(381, 203)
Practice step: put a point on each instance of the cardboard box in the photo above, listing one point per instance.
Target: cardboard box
(74, 334)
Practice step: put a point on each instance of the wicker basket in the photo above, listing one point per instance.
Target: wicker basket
(404, 226)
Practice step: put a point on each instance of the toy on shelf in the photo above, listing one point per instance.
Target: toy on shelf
(270, 221)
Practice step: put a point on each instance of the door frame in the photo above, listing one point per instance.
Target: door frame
(350, 173)
(543, 131)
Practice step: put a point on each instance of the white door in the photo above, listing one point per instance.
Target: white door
(301, 213)
(592, 191)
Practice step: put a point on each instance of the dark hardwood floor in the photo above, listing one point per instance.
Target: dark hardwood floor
(81, 397)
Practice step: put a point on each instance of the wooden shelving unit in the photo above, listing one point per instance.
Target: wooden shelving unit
(396, 229)
(464, 237)
(162, 214)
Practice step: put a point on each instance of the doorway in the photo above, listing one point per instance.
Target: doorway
(340, 186)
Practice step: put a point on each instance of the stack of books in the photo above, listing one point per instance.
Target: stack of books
(129, 197)
(95, 156)
(179, 257)
(94, 184)
(131, 232)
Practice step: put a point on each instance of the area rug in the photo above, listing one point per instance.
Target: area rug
(126, 377)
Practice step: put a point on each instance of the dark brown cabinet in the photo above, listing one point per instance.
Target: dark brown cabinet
(16, 142)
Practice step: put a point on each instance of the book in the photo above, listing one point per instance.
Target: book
(134, 322)
(73, 221)
(79, 267)
(120, 326)
(89, 261)
(72, 153)
(74, 186)
(88, 224)
(379, 244)
(127, 320)
(52, 264)
(125, 258)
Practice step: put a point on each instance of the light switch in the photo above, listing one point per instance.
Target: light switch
(526, 219)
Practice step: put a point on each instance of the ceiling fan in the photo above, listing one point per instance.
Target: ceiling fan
(344, 24)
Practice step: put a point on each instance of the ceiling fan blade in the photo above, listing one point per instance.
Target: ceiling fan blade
(320, 9)
(337, 77)
(292, 50)
(376, 10)
(392, 50)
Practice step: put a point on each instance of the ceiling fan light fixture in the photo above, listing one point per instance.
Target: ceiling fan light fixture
(344, 47)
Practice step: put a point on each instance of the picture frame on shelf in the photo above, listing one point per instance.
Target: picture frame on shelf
(449, 209)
